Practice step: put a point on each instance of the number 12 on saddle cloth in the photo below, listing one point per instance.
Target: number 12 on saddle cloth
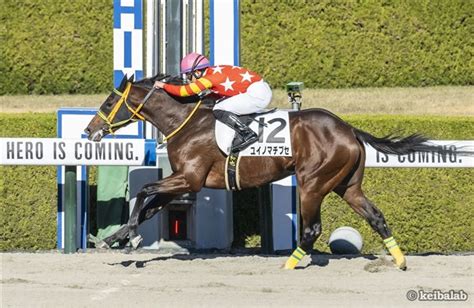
(273, 130)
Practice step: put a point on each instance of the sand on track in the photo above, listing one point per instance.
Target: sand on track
(145, 279)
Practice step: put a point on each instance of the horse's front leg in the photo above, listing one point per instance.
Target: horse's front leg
(163, 192)
(119, 235)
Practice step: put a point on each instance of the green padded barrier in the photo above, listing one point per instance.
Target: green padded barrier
(112, 199)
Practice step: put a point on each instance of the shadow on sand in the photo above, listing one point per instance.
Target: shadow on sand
(323, 259)
(317, 258)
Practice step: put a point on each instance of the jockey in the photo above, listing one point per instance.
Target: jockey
(243, 92)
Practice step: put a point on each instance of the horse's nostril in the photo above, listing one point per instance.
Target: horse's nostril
(87, 131)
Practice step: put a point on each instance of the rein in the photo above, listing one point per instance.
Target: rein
(108, 119)
(184, 122)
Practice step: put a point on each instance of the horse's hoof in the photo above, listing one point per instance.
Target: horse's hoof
(290, 264)
(136, 241)
(102, 245)
(127, 249)
(403, 266)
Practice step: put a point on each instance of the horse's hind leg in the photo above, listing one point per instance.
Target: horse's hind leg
(311, 220)
(316, 178)
(361, 205)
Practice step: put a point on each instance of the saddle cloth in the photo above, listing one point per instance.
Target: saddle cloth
(273, 129)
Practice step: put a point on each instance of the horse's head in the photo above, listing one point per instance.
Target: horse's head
(124, 105)
(117, 111)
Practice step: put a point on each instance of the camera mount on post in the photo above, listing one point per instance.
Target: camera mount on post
(294, 90)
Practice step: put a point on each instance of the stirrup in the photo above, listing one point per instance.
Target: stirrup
(244, 144)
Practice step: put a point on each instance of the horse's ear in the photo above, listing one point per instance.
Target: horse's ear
(123, 83)
(131, 78)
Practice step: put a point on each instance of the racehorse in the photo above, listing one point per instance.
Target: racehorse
(328, 155)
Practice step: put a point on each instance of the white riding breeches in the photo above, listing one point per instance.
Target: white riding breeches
(256, 99)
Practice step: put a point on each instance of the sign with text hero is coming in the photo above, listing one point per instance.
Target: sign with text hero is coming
(448, 154)
(71, 152)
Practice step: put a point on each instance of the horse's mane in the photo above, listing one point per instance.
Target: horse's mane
(147, 83)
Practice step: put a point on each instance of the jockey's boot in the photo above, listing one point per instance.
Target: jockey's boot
(247, 135)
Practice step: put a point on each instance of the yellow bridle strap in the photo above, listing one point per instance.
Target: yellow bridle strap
(184, 123)
(106, 120)
(135, 113)
(123, 99)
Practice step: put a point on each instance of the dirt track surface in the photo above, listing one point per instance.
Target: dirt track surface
(156, 280)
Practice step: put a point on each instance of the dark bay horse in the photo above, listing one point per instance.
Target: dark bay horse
(328, 155)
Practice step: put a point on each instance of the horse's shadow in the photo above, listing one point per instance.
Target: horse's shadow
(322, 259)
(317, 258)
(188, 254)
(143, 263)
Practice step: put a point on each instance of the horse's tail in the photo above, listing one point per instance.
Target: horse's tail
(392, 144)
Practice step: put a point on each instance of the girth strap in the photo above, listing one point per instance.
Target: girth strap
(232, 176)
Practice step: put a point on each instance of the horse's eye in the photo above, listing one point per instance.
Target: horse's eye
(109, 102)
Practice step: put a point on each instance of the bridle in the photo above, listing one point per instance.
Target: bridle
(135, 113)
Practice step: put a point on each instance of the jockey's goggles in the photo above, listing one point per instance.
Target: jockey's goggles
(196, 74)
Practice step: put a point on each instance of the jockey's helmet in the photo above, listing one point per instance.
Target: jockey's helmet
(192, 62)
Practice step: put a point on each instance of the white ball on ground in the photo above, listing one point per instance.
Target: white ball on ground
(345, 241)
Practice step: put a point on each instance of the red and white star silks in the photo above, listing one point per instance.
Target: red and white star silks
(225, 80)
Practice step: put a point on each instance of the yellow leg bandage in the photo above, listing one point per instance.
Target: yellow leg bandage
(295, 257)
(396, 253)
